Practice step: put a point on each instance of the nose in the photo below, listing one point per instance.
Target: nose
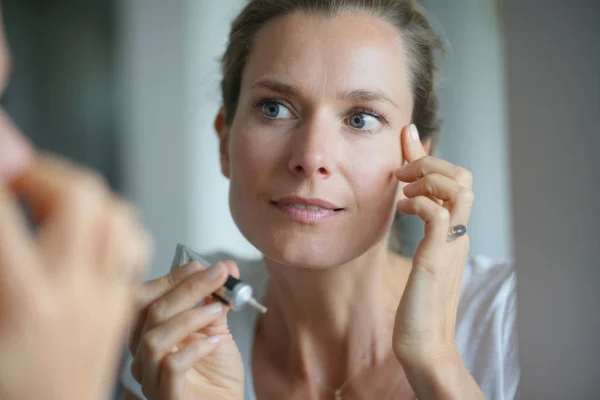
(15, 151)
(313, 150)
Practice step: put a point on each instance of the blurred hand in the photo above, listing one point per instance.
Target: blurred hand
(183, 352)
(66, 293)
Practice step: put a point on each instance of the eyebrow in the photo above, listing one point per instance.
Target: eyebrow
(358, 95)
(368, 96)
(276, 86)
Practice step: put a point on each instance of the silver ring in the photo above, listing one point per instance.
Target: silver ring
(455, 232)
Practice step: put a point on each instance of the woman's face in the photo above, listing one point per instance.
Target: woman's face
(321, 107)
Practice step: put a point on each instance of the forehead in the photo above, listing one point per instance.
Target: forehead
(322, 53)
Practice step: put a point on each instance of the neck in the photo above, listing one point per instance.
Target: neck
(327, 325)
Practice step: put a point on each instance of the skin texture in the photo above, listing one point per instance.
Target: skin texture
(327, 114)
(67, 291)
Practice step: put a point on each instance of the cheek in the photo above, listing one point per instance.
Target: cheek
(373, 174)
(247, 159)
(251, 163)
(250, 156)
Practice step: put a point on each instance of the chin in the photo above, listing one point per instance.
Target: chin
(300, 252)
(304, 250)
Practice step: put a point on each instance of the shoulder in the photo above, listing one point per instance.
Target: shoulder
(486, 330)
(488, 298)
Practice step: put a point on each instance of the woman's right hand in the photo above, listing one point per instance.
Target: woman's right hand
(182, 351)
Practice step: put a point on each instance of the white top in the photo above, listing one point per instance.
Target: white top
(485, 328)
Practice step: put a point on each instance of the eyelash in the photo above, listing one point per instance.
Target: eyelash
(360, 110)
(369, 111)
(262, 102)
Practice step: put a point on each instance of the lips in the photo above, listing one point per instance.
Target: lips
(307, 210)
(303, 203)
(307, 207)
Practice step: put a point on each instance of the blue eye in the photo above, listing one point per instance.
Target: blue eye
(362, 121)
(274, 110)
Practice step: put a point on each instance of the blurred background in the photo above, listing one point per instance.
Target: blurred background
(131, 88)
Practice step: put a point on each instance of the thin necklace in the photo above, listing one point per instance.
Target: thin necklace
(337, 393)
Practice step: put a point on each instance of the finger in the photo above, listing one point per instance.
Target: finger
(186, 295)
(137, 250)
(219, 325)
(433, 165)
(68, 203)
(17, 249)
(149, 292)
(16, 153)
(457, 198)
(412, 147)
(52, 183)
(123, 254)
(177, 364)
(125, 247)
(233, 270)
(160, 341)
(436, 218)
(140, 255)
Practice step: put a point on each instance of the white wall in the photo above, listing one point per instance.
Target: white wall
(211, 226)
(473, 110)
(169, 83)
(154, 132)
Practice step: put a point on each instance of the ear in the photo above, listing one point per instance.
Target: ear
(222, 130)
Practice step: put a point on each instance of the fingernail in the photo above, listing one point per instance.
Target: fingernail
(215, 271)
(214, 339)
(414, 133)
(213, 309)
(191, 268)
